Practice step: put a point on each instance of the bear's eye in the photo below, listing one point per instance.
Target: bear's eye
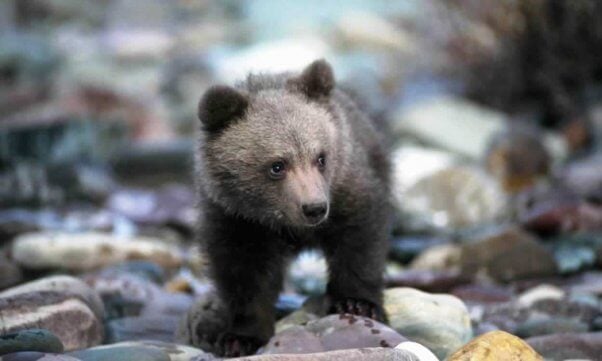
(277, 170)
(321, 161)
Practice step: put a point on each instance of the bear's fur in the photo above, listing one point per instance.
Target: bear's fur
(288, 162)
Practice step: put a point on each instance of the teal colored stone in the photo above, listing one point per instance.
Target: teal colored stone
(121, 353)
(39, 340)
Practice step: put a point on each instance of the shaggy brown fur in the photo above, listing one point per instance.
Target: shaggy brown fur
(288, 162)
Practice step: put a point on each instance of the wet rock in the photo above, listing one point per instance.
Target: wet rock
(429, 281)
(65, 306)
(507, 255)
(439, 322)
(120, 353)
(567, 346)
(421, 352)
(405, 249)
(334, 332)
(36, 356)
(361, 354)
(540, 293)
(87, 251)
(576, 252)
(538, 327)
(496, 345)
(156, 328)
(456, 198)
(38, 340)
(518, 158)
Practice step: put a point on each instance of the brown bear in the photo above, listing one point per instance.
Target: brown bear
(288, 162)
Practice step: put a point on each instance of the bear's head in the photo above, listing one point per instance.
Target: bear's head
(269, 152)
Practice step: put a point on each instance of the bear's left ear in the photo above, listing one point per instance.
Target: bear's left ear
(316, 81)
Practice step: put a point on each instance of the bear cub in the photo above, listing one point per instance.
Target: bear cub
(288, 162)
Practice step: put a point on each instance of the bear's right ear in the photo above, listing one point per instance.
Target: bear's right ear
(220, 105)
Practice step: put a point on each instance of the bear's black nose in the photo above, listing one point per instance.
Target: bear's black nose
(314, 211)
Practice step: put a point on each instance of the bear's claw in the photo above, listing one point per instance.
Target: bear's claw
(231, 345)
(359, 308)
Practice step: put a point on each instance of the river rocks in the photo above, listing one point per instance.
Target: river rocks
(308, 273)
(576, 346)
(439, 322)
(64, 305)
(507, 255)
(425, 280)
(405, 249)
(496, 345)
(334, 332)
(30, 340)
(36, 356)
(141, 350)
(10, 273)
(87, 251)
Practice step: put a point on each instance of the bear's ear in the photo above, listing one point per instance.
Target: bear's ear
(220, 105)
(316, 81)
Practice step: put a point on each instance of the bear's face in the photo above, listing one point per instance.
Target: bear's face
(272, 158)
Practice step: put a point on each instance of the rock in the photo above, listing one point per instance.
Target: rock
(479, 293)
(361, 354)
(85, 251)
(10, 273)
(429, 281)
(576, 252)
(405, 249)
(568, 346)
(538, 327)
(333, 332)
(517, 158)
(36, 356)
(540, 293)
(30, 340)
(456, 198)
(145, 269)
(172, 205)
(507, 255)
(174, 352)
(155, 328)
(460, 126)
(584, 177)
(65, 306)
(421, 352)
(127, 295)
(541, 316)
(121, 353)
(298, 318)
(439, 322)
(288, 303)
(366, 30)
(496, 345)
(438, 258)
(308, 273)
(562, 215)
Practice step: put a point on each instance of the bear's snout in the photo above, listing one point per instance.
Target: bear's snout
(315, 212)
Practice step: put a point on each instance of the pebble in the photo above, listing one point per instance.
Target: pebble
(482, 293)
(496, 345)
(438, 321)
(568, 346)
(438, 258)
(86, 251)
(65, 306)
(174, 352)
(10, 273)
(405, 249)
(38, 340)
(120, 353)
(362, 354)
(426, 280)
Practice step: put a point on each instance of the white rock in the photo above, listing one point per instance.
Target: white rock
(539, 293)
(423, 353)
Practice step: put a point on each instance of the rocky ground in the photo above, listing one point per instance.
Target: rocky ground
(497, 248)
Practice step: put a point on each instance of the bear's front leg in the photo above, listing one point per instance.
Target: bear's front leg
(356, 256)
(246, 267)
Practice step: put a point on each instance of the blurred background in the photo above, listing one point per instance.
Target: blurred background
(493, 111)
